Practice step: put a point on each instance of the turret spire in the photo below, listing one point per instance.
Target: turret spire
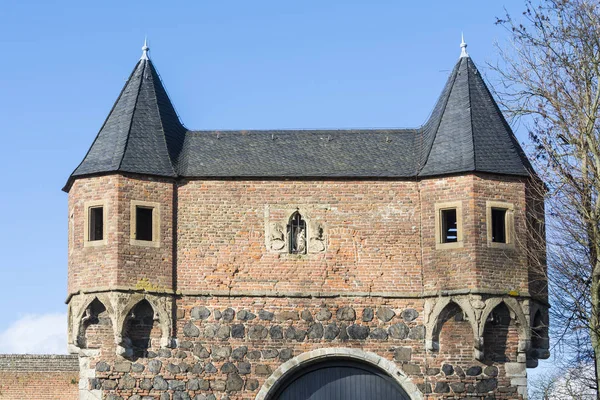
(142, 134)
(463, 47)
(145, 49)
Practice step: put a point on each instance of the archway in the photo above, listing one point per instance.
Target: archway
(286, 372)
(338, 379)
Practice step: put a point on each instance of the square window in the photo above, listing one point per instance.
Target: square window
(500, 220)
(96, 223)
(498, 225)
(143, 223)
(449, 225)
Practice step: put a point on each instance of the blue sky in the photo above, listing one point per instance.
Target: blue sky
(225, 64)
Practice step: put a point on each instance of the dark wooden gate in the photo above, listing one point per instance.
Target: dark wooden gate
(339, 380)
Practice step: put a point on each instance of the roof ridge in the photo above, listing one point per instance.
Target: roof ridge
(354, 130)
(467, 58)
(135, 104)
(160, 116)
(455, 72)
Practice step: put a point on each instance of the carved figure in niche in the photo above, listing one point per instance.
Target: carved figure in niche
(301, 242)
(317, 242)
(297, 234)
(277, 237)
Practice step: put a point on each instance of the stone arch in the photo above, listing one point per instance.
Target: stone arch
(95, 326)
(324, 354)
(513, 306)
(76, 318)
(453, 336)
(138, 330)
(297, 228)
(502, 332)
(434, 325)
(159, 314)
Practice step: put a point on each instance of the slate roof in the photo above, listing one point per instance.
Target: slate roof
(142, 133)
(466, 132)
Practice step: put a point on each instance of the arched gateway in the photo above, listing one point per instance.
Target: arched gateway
(338, 373)
(338, 380)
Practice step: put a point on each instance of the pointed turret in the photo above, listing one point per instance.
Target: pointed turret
(467, 131)
(142, 133)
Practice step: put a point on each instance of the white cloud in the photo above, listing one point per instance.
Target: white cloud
(35, 334)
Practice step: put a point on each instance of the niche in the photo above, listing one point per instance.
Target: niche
(500, 336)
(140, 330)
(95, 330)
(453, 335)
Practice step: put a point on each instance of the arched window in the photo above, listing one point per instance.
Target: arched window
(297, 234)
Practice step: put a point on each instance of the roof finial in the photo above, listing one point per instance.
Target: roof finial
(145, 49)
(463, 47)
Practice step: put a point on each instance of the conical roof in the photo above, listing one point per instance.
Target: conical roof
(142, 133)
(467, 131)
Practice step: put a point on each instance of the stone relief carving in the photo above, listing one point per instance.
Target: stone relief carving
(277, 236)
(309, 239)
(317, 239)
(301, 241)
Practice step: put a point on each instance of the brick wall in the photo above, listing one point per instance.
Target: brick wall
(244, 306)
(40, 377)
(95, 267)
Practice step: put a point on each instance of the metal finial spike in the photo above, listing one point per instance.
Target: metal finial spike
(145, 49)
(463, 47)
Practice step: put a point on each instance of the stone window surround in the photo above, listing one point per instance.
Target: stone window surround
(278, 228)
(439, 207)
(156, 222)
(509, 224)
(87, 206)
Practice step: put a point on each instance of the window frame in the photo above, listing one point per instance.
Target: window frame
(450, 205)
(88, 206)
(156, 223)
(509, 224)
(290, 233)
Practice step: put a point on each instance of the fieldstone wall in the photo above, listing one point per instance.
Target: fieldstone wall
(227, 348)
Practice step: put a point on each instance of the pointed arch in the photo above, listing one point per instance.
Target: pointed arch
(513, 306)
(297, 234)
(437, 315)
(139, 329)
(95, 327)
(160, 318)
(76, 317)
(502, 332)
(539, 335)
